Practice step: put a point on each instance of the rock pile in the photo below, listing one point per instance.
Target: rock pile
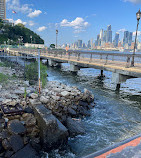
(65, 101)
(21, 134)
(47, 120)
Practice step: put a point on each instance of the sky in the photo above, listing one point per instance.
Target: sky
(74, 19)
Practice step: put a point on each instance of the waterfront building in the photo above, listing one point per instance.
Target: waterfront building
(3, 9)
(79, 43)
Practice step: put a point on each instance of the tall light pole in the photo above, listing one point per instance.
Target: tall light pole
(56, 37)
(138, 15)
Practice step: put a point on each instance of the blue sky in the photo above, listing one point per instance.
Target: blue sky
(75, 19)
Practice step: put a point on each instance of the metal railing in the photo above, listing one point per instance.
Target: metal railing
(83, 56)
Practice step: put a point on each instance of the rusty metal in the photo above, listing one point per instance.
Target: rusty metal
(11, 110)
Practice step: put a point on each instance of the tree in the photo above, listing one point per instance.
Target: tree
(52, 46)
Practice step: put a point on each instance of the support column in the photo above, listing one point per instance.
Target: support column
(118, 87)
(51, 62)
(101, 73)
(118, 79)
(74, 68)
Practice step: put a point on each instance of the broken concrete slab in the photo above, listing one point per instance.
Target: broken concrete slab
(52, 131)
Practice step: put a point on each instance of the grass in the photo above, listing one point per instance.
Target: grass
(3, 77)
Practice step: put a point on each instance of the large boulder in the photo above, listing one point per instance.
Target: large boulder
(65, 93)
(16, 142)
(52, 131)
(75, 128)
(34, 96)
(26, 152)
(44, 100)
(16, 127)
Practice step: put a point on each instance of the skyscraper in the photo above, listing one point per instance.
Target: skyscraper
(79, 43)
(101, 34)
(89, 44)
(130, 38)
(2, 9)
(116, 40)
(109, 34)
(127, 38)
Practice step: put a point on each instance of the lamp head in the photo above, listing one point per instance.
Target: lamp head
(138, 15)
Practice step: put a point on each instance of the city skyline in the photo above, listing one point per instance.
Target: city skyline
(74, 20)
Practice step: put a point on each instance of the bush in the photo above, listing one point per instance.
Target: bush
(31, 73)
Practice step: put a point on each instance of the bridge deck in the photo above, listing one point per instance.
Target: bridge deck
(117, 65)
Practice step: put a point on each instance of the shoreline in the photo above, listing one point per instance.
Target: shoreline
(67, 106)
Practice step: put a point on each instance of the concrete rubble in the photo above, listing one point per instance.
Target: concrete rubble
(47, 120)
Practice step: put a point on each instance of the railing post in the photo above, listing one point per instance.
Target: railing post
(106, 59)
(128, 62)
(78, 57)
(68, 55)
(91, 57)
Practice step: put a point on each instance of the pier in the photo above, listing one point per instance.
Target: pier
(117, 63)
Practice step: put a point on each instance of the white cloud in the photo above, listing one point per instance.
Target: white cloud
(79, 24)
(16, 6)
(31, 23)
(40, 29)
(121, 30)
(76, 24)
(18, 21)
(133, 1)
(35, 13)
(139, 33)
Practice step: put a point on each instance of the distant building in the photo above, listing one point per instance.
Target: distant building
(116, 40)
(79, 43)
(29, 45)
(109, 34)
(130, 38)
(101, 34)
(3, 9)
(89, 44)
(127, 38)
(105, 36)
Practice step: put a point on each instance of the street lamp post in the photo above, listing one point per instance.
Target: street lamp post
(138, 15)
(56, 37)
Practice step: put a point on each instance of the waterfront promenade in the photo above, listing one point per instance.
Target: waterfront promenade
(117, 63)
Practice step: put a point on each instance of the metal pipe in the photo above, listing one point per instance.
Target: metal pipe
(39, 76)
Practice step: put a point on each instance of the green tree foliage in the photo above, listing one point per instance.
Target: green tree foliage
(14, 32)
(31, 73)
(52, 46)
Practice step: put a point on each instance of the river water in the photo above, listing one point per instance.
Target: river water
(116, 116)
